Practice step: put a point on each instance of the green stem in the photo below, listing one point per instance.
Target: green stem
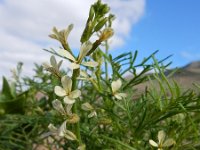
(106, 63)
(74, 109)
(125, 146)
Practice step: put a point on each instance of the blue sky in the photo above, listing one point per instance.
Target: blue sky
(172, 27)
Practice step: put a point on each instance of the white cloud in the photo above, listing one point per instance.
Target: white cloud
(190, 56)
(25, 24)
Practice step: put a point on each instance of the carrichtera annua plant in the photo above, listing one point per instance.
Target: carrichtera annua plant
(89, 58)
(98, 101)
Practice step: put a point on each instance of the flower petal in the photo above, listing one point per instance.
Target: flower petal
(86, 106)
(92, 114)
(90, 64)
(59, 64)
(53, 36)
(53, 62)
(124, 95)
(55, 31)
(85, 47)
(67, 54)
(161, 136)
(169, 142)
(115, 85)
(62, 129)
(75, 94)
(68, 100)
(46, 65)
(84, 74)
(66, 83)
(57, 105)
(120, 96)
(74, 66)
(153, 143)
(68, 30)
(52, 128)
(59, 91)
(69, 109)
(70, 135)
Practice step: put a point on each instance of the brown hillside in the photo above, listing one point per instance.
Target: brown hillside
(185, 77)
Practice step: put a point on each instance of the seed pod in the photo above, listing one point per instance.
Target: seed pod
(91, 14)
(100, 24)
(84, 36)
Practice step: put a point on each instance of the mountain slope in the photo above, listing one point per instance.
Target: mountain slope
(185, 77)
(188, 75)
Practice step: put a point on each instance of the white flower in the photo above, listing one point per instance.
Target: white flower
(85, 47)
(87, 77)
(62, 131)
(162, 141)
(84, 75)
(61, 35)
(66, 90)
(57, 105)
(53, 63)
(87, 107)
(53, 67)
(92, 114)
(116, 85)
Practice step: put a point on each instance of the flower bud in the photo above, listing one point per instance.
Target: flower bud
(106, 34)
(82, 147)
(105, 9)
(101, 24)
(91, 13)
(87, 107)
(57, 105)
(74, 118)
(105, 121)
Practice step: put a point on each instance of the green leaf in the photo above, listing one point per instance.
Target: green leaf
(6, 89)
(13, 89)
(14, 105)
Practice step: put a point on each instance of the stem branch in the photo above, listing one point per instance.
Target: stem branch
(74, 109)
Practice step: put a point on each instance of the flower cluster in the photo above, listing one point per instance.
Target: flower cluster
(68, 89)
